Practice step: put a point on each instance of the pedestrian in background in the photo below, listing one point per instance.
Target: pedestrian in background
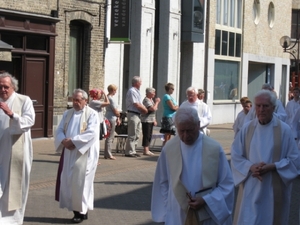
(149, 119)
(113, 115)
(170, 107)
(264, 162)
(76, 139)
(193, 183)
(135, 107)
(17, 117)
(239, 121)
(98, 101)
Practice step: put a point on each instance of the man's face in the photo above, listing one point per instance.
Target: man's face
(6, 88)
(296, 94)
(200, 96)
(264, 109)
(246, 107)
(188, 132)
(138, 84)
(191, 96)
(78, 101)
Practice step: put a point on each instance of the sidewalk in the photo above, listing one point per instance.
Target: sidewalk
(122, 187)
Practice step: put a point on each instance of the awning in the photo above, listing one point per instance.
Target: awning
(5, 51)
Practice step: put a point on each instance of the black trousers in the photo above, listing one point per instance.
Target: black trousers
(147, 129)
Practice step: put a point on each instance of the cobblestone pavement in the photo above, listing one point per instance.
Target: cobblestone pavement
(122, 186)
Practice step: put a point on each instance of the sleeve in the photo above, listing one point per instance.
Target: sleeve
(280, 112)
(220, 201)
(206, 118)
(160, 190)
(23, 122)
(288, 166)
(60, 134)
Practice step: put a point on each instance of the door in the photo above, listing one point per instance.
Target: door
(35, 87)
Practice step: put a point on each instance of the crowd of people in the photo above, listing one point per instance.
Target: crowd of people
(193, 182)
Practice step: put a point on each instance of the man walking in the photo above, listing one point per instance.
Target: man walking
(77, 137)
(17, 117)
(193, 182)
(264, 161)
(135, 107)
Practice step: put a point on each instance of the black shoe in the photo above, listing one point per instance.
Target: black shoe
(85, 216)
(77, 219)
(131, 155)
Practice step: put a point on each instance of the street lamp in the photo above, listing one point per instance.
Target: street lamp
(285, 43)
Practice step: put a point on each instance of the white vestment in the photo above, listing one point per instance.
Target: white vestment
(257, 200)
(239, 122)
(21, 123)
(203, 110)
(293, 112)
(219, 203)
(86, 142)
(279, 112)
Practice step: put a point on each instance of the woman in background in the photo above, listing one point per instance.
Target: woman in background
(149, 120)
(170, 107)
(98, 101)
(113, 115)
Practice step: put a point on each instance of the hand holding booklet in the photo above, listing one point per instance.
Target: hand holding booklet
(202, 213)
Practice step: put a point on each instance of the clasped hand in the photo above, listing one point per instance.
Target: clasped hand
(67, 143)
(5, 108)
(196, 203)
(259, 169)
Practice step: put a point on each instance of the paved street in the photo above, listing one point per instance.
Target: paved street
(122, 186)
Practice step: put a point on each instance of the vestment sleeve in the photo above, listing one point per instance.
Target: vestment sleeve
(160, 190)
(280, 112)
(22, 122)
(221, 200)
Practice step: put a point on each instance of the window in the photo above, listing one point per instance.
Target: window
(75, 56)
(271, 14)
(226, 79)
(295, 24)
(256, 11)
(228, 49)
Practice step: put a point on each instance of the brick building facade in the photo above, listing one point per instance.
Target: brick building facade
(57, 46)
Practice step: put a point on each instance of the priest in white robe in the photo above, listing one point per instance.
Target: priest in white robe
(17, 117)
(77, 136)
(193, 181)
(264, 161)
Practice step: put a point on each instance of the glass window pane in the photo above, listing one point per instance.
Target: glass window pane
(218, 14)
(225, 12)
(218, 42)
(232, 13)
(15, 40)
(239, 14)
(238, 45)
(294, 30)
(231, 44)
(226, 80)
(224, 42)
(36, 42)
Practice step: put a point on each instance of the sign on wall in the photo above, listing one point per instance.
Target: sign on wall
(120, 21)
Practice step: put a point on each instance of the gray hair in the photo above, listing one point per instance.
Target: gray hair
(185, 114)
(267, 86)
(136, 79)
(84, 94)
(14, 81)
(270, 94)
(193, 89)
(150, 90)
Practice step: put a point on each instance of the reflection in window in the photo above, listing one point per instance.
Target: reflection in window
(225, 12)
(226, 80)
(224, 42)
(231, 44)
(232, 13)
(218, 42)
(218, 14)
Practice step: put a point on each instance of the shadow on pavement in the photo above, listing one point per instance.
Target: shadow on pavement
(47, 220)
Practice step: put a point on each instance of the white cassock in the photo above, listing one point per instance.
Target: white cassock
(257, 200)
(291, 107)
(164, 205)
(203, 110)
(86, 141)
(239, 122)
(279, 112)
(21, 123)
